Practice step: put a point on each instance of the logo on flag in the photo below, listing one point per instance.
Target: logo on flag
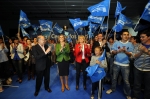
(146, 13)
(100, 9)
(57, 28)
(94, 19)
(45, 25)
(93, 27)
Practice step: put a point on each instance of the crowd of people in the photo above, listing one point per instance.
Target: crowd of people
(127, 60)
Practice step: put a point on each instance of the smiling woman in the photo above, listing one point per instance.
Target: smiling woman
(62, 53)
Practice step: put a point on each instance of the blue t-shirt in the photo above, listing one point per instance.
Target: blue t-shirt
(121, 58)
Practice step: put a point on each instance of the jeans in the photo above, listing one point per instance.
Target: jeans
(139, 78)
(81, 66)
(18, 66)
(125, 74)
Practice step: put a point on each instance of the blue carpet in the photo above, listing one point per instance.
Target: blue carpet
(26, 89)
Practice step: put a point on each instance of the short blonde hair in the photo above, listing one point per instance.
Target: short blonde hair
(81, 36)
(63, 36)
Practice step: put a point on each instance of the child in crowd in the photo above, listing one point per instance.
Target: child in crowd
(103, 64)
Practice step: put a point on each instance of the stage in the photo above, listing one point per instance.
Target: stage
(27, 88)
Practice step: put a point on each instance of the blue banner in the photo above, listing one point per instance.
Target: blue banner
(118, 9)
(146, 13)
(94, 19)
(45, 25)
(35, 27)
(103, 27)
(57, 28)
(93, 27)
(76, 23)
(122, 21)
(24, 33)
(100, 9)
(24, 21)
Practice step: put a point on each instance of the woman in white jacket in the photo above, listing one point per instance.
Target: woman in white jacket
(17, 56)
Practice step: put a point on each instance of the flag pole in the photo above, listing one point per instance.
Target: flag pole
(111, 29)
(107, 21)
(3, 39)
(101, 25)
(85, 31)
(137, 23)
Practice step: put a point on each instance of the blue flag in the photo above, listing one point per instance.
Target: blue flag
(95, 72)
(94, 19)
(100, 9)
(93, 27)
(76, 23)
(146, 13)
(1, 32)
(103, 27)
(80, 30)
(90, 34)
(103, 56)
(122, 21)
(35, 27)
(118, 9)
(24, 21)
(24, 33)
(69, 39)
(57, 28)
(117, 28)
(45, 25)
(85, 23)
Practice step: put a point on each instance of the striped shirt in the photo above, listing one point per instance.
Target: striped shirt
(142, 62)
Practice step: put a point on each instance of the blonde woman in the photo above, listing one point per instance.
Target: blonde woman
(82, 53)
(62, 53)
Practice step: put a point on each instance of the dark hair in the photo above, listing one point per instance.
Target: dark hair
(100, 48)
(100, 33)
(146, 32)
(136, 38)
(28, 39)
(124, 31)
(16, 38)
(110, 38)
(25, 37)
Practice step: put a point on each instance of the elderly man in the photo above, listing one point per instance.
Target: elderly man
(40, 53)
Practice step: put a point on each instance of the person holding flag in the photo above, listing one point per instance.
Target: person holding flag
(122, 50)
(103, 64)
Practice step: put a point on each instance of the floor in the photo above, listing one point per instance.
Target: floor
(26, 89)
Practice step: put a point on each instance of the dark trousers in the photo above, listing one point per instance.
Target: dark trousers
(95, 86)
(4, 70)
(139, 78)
(18, 66)
(39, 77)
(81, 66)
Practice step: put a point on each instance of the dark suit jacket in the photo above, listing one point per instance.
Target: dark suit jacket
(41, 59)
(96, 44)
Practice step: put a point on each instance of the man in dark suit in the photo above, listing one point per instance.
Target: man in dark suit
(101, 42)
(40, 53)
